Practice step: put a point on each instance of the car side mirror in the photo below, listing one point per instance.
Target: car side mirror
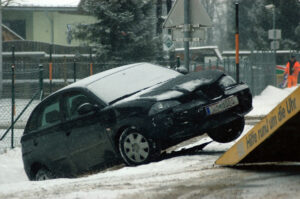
(86, 108)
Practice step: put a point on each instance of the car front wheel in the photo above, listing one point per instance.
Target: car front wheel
(227, 132)
(136, 149)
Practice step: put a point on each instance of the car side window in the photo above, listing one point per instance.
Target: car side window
(45, 116)
(73, 101)
(51, 114)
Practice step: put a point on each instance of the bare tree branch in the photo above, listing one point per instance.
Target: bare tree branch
(5, 3)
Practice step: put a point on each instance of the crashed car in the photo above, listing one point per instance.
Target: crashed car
(130, 114)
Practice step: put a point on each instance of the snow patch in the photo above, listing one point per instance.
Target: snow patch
(268, 99)
(192, 85)
(167, 95)
(11, 167)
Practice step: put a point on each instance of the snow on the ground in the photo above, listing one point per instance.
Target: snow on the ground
(11, 167)
(111, 183)
(268, 99)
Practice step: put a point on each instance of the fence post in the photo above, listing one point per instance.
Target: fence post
(41, 80)
(13, 106)
(177, 61)
(50, 70)
(91, 62)
(74, 70)
(252, 74)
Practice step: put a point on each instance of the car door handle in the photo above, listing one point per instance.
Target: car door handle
(68, 133)
(35, 143)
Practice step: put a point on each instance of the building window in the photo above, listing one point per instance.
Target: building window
(18, 26)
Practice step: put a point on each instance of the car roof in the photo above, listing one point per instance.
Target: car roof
(88, 80)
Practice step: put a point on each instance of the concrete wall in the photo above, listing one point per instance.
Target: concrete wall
(43, 29)
(39, 26)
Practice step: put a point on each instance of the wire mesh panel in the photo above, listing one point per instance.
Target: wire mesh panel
(26, 88)
(258, 70)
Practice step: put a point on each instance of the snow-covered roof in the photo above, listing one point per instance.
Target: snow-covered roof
(44, 4)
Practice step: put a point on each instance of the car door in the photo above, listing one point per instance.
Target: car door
(87, 140)
(45, 140)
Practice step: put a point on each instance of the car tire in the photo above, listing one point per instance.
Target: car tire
(136, 148)
(228, 132)
(44, 174)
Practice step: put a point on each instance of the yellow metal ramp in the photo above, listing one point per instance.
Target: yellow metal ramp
(275, 138)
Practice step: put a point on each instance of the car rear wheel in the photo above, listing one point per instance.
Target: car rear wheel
(228, 132)
(44, 174)
(136, 149)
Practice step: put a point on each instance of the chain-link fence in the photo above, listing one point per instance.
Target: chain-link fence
(15, 97)
(257, 70)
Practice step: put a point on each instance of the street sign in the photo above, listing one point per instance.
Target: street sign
(276, 33)
(167, 43)
(198, 15)
(197, 34)
(274, 45)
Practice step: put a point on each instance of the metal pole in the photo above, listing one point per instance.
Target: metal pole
(50, 69)
(187, 31)
(41, 79)
(13, 106)
(91, 62)
(274, 32)
(74, 70)
(1, 61)
(237, 42)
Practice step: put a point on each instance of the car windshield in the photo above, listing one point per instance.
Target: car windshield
(129, 81)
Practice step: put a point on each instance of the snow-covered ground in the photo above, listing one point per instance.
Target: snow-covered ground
(181, 176)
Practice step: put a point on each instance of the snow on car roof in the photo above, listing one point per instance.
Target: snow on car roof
(48, 3)
(88, 80)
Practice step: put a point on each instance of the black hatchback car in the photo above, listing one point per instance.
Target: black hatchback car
(130, 114)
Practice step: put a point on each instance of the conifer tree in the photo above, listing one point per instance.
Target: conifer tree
(124, 31)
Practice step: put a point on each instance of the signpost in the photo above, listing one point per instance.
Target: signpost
(187, 20)
(1, 64)
(167, 42)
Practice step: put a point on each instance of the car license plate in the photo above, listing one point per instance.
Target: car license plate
(222, 105)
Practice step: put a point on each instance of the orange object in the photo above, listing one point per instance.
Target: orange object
(237, 60)
(292, 81)
(292, 75)
(91, 69)
(50, 71)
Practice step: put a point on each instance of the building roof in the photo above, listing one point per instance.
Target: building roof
(45, 4)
